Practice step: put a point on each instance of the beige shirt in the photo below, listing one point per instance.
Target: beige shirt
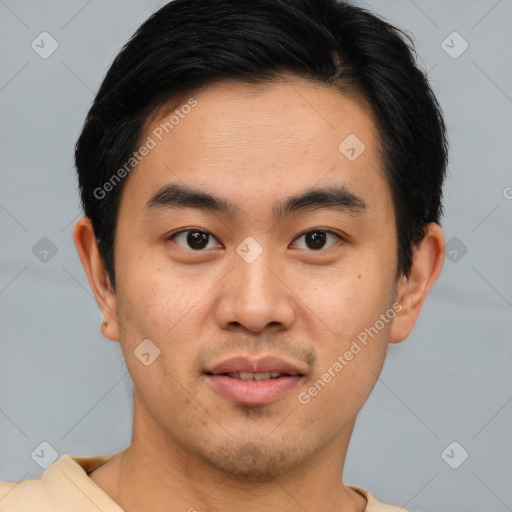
(66, 487)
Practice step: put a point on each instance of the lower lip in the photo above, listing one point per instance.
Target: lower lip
(253, 392)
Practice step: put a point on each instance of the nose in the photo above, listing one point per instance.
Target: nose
(254, 297)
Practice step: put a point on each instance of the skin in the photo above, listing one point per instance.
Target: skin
(253, 146)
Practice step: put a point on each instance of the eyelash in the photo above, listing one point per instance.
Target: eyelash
(339, 237)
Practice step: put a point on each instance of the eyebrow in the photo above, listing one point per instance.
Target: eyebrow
(339, 198)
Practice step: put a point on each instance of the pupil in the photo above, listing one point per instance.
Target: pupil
(317, 239)
(197, 240)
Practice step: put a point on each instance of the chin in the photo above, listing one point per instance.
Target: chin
(251, 461)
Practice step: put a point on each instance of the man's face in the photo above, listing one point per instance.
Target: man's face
(300, 283)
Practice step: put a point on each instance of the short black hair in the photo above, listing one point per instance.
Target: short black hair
(191, 44)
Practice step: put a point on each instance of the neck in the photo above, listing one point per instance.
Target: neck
(156, 474)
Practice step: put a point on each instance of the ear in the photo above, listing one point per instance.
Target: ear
(428, 259)
(87, 247)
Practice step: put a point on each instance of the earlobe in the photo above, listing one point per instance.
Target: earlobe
(94, 267)
(428, 259)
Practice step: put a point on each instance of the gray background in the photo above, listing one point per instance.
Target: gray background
(61, 382)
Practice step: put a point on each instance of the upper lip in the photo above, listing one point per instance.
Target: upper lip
(266, 364)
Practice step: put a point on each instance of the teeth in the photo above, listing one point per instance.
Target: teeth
(254, 376)
(261, 376)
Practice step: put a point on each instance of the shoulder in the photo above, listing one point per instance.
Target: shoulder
(373, 504)
(63, 484)
(16, 496)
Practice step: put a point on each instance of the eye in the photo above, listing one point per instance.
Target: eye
(317, 239)
(193, 239)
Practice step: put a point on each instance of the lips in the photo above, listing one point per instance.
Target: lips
(249, 381)
(255, 376)
(268, 364)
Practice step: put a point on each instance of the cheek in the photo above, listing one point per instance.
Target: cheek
(356, 315)
(345, 302)
(158, 303)
(164, 390)
(347, 372)
(156, 310)
(152, 297)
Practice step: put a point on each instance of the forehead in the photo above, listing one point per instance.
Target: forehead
(259, 141)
